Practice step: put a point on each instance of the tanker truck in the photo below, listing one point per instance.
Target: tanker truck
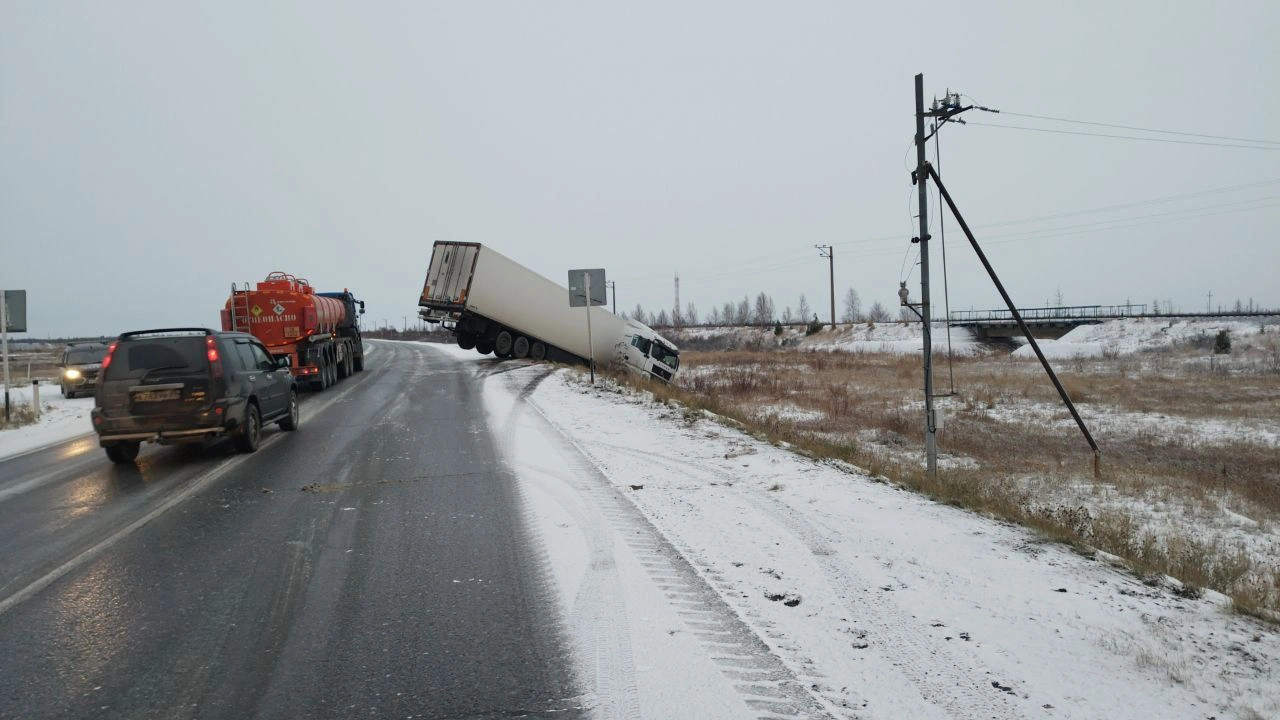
(495, 305)
(318, 332)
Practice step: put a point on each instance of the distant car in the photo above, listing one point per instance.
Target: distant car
(80, 365)
(183, 385)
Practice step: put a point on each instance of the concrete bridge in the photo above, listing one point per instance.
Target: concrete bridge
(1054, 322)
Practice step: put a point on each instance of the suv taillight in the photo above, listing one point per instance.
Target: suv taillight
(211, 349)
(106, 359)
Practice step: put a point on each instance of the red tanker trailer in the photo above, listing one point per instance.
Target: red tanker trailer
(318, 332)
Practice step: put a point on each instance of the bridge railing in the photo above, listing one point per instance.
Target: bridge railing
(1070, 312)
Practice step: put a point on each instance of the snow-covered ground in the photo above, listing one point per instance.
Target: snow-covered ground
(1115, 337)
(60, 419)
(1132, 335)
(890, 337)
(704, 573)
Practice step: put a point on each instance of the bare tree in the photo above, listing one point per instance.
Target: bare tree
(877, 313)
(639, 315)
(786, 315)
(713, 317)
(662, 320)
(852, 306)
(743, 315)
(803, 311)
(764, 310)
(691, 314)
(729, 315)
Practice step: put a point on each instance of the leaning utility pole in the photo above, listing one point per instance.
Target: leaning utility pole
(829, 253)
(920, 176)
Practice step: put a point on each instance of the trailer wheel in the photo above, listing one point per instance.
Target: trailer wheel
(521, 347)
(484, 346)
(344, 365)
(466, 340)
(357, 362)
(502, 344)
(538, 351)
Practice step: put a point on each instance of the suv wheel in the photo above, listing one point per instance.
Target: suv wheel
(124, 452)
(290, 421)
(67, 392)
(250, 431)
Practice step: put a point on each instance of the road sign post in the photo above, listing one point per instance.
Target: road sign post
(13, 316)
(587, 288)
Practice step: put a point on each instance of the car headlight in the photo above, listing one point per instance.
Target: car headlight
(71, 374)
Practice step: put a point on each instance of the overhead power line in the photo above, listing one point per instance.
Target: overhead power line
(1124, 137)
(1142, 129)
(1138, 203)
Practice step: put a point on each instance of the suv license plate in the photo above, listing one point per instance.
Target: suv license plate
(157, 395)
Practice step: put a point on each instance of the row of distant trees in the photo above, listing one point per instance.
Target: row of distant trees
(763, 312)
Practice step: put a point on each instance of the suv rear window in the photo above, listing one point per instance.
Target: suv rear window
(138, 357)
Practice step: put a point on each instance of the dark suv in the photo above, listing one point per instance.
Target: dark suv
(187, 385)
(80, 365)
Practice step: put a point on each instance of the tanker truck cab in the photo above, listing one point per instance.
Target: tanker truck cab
(649, 353)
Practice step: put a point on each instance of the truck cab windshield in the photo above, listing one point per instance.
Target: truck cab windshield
(665, 355)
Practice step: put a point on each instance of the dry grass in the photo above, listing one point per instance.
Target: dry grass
(19, 415)
(1009, 448)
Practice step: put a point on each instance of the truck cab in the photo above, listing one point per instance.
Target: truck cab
(648, 353)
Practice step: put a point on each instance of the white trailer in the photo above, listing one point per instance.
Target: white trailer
(496, 305)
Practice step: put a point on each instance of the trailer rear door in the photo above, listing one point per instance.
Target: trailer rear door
(449, 276)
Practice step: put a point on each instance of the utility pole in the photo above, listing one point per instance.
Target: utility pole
(1208, 306)
(921, 175)
(829, 253)
(614, 287)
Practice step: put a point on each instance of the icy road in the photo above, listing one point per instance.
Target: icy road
(448, 536)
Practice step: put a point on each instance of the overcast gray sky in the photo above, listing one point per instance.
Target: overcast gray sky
(151, 153)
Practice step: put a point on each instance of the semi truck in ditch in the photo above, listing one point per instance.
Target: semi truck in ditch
(495, 305)
(318, 332)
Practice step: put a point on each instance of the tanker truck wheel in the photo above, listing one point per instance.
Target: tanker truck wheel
(538, 351)
(521, 347)
(484, 346)
(466, 340)
(357, 362)
(502, 344)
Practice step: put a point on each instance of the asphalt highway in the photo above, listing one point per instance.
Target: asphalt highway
(372, 564)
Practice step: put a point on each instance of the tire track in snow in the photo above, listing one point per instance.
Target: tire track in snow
(598, 619)
(942, 679)
(764, 681)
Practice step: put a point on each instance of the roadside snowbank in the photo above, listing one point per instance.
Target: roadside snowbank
(60, 419)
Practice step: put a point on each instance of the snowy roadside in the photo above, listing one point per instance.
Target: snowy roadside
(878, 602)
(60, 419)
